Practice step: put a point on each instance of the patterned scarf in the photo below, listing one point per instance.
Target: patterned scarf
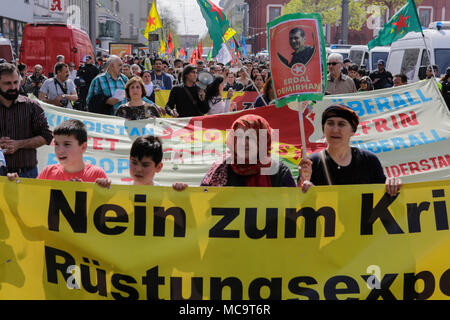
(217, 174)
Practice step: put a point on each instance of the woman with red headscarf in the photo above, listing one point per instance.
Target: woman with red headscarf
(247, 161)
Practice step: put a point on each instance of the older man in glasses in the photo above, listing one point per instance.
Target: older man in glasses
(337, 82)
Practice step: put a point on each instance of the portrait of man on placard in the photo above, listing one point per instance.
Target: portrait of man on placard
(302, 53)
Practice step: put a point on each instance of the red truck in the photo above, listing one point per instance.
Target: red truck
(42, 42)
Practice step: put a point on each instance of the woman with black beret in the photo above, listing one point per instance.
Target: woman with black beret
(340, 163)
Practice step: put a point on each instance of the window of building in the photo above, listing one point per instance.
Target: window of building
(109, 29)
(425, 16)
(131, 25)
(273, 11)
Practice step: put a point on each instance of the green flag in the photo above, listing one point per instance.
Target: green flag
(209, 58)
(404, 21)
(216, 21)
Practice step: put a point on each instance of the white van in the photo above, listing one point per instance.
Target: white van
(343, 52)
(6, 49)
(369, 59)
(408, 54)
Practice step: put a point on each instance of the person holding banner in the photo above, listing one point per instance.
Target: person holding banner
(252, 166)
(259, 83)
(267, 97)
(340, 164)
(214, 96)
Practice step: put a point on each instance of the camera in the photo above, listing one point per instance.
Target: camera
(64, 102)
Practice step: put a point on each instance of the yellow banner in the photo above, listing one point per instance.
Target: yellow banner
(69, 240)
(162, 96)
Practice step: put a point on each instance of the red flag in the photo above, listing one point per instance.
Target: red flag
(200, 49)
(183, 52)
(170, 43)
(194, 56)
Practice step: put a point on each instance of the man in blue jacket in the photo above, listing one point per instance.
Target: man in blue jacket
(160, 79)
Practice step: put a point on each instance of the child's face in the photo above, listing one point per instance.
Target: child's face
(68, 150)
(142, 171)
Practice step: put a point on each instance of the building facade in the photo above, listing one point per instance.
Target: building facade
(261, 12)
(73, 12)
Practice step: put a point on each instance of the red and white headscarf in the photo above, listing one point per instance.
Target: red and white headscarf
(217, 175)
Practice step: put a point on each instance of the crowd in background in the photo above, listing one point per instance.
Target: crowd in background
(75, 88)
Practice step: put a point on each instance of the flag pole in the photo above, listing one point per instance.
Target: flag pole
(302, 107)
(423, 36)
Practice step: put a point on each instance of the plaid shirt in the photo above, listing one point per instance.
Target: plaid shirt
(106, 85)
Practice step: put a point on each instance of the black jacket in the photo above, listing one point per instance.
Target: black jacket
(88, 72)
(187, 105)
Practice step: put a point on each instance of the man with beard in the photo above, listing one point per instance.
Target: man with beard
(160, 79)
(302, 53)
(23, 125)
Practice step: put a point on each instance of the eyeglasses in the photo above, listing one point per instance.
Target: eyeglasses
(332, 63)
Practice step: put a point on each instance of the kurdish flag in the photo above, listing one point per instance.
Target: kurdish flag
(217, 23)
(404, 21)
(153, 21)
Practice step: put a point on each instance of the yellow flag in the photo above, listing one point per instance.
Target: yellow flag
(162, 47)
(230, 32)
(153, 21)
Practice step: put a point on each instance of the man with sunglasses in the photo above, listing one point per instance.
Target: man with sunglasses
(338, 83)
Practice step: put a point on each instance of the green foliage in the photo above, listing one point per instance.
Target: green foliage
(331, 10)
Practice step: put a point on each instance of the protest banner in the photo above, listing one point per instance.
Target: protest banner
(297, 57)
(71, 240)
(243, 99)
(407, 127)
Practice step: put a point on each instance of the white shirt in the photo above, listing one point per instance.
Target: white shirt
(217, 105)
(73, 75)
(53, 90)
(149, 89)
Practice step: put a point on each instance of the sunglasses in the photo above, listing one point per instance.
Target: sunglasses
(332, 63)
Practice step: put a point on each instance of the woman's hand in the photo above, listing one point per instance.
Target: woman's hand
(393, 186)
(230, 94)
(179, 186)
(12, 176)
(305, 169)
(305, 185)
(103, 182)
(305, 172)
